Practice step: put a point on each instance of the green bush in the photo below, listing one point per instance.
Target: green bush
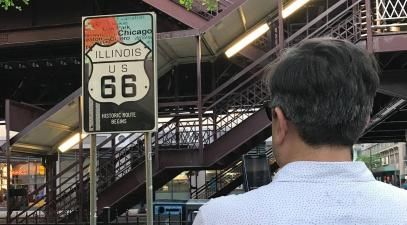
(17, 4)
(211, 5)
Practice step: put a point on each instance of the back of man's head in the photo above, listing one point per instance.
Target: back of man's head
(326, 88)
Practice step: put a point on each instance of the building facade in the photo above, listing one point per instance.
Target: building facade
(391, 166)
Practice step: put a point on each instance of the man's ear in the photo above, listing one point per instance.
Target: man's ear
(281, 127)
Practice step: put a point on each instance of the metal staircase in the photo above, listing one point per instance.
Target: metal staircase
(233, 123)
(234, 110)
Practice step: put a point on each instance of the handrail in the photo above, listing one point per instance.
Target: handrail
(45, 185)
(43, 197)
(333, 20)
(386, 112)
(205, 186)
(232, 167)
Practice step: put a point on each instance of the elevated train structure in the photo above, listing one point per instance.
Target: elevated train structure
(210, 105)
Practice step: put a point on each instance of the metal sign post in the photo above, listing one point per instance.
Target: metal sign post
(92, 181)
(149, 177)
(119, 73)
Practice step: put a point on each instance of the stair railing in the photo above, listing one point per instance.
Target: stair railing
(222, 179)
(33, 195)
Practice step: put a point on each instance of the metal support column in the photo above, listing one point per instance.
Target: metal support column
(92, 181)
(369, 39)
(177, 134)
(199, 88)
(156, 152)
(50, 166)
(58, 170)
(149, 177)
(403, 158)
(214, 116)
(8, 155)
(280, 26)
(112, 169)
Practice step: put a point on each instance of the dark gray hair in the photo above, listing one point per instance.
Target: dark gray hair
(326, 88)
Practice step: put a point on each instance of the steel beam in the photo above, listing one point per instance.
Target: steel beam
(65, 33)
(32, 146)
(178, 34)
(390, 43)
(251, 52)
(177, 104)
(59, 126)
(199, 89)
(8, 156)
(280, 26)
(369, 40)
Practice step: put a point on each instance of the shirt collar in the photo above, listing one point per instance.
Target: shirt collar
(312, 171)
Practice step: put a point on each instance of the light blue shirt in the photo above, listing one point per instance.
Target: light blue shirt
(305, 193)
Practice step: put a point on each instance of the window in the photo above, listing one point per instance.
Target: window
(385, 160)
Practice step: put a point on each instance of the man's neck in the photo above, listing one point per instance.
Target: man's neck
(321, 153)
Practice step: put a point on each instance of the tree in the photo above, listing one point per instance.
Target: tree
(17, 4)
(373, 161)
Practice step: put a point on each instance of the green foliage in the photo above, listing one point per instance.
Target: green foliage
(17, 4)
(211, 5)
(373, 162)
(186, 3)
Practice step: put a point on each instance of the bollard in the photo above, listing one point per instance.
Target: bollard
(106, 213)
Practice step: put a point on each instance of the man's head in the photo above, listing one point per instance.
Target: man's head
(322, 94)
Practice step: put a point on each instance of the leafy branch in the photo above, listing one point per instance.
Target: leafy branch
(372, 162)
(17, 4)
(211, 5)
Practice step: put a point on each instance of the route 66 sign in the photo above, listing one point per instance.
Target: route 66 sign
(118, 65)
(119, 73)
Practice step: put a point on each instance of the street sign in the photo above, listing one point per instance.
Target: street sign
(119, 73)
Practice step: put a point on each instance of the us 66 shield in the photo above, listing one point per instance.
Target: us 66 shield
(119, 73)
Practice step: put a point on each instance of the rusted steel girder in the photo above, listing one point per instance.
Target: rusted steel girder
(65, 33)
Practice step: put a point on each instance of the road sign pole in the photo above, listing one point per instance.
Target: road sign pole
(149, 177)
(92, 173)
